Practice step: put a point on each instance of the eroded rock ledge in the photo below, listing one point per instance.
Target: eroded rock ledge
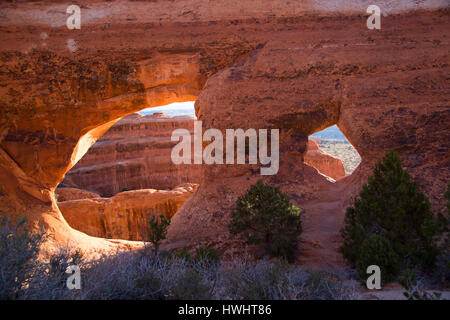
(134, 154)
(125, 215)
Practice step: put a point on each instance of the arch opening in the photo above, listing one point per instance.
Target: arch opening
(127, 175)
(331, 153)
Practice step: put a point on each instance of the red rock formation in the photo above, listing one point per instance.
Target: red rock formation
(383, 95)
(297, 67)
(323, 162)
(126, 215)
(134, 154)
(66, 194)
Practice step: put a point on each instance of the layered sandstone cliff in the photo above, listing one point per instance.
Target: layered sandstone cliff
(296, 66)
(135, 153)
(125, 215)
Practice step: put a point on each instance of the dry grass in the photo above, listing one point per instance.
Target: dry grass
(140, 274)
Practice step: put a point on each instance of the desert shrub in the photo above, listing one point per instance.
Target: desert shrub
(208, 255)
(414, 288)
(442, 266)
(203, 255)
(59, 261)
(326, 285)
(265, 215)
(158, 230)
(182, 254)
(441, 271)
(189, 285)
(447, 196)
(149, 285)
(391, 206)
(165, 254)
(123, 276)
(19, 248)
(136, 274)
(133, 275)
(377, 250)
(174, 279)
(276, 280)
(49, 279)
(256, 281)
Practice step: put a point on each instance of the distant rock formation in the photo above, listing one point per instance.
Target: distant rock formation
(134, 154)
(323, 162)
(124, 216)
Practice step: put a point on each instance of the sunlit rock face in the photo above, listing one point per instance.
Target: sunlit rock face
(134, 154)
(125, 215)
(324, 162)
(251, 65)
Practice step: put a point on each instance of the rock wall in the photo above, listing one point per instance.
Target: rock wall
(125, 215)
(134, 154)
(323, 162)
(296, 66)
(384, 90)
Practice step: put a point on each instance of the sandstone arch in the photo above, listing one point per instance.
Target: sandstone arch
(326, 164)
(267, 66)
(75, 112)
(301, 89)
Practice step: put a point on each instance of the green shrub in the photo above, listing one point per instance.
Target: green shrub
(414, 290)
(158, 230)
(390, 205)
(265, 215)
(208, 255)
(182, 254)
(376, 250)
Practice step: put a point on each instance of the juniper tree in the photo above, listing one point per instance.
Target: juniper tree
(265, 215)
(391, 206)
(158, 230)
